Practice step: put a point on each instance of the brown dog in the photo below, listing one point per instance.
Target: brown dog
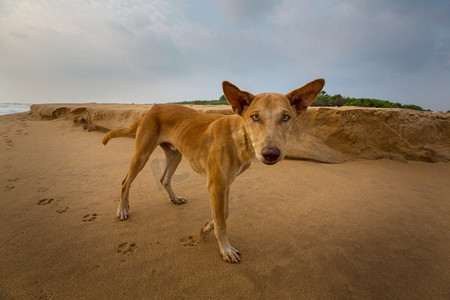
(217, 146)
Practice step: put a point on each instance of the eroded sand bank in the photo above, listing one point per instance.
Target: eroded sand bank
(324, 134)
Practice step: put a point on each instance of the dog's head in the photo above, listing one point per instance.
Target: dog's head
(268, 117)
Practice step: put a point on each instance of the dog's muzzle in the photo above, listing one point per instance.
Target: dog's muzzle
(270, 155)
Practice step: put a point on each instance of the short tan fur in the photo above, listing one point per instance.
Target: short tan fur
(217, 146)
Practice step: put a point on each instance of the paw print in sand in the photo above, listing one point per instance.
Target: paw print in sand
(190, 241)
(126, 248)
(45, 201)
(63, 210)
(90, 218)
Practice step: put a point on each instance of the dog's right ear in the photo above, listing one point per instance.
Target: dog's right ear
(238, 99)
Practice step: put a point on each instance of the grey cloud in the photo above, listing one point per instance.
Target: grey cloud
(241, 11)
(119, 28)
(154, 50)
(358, 33)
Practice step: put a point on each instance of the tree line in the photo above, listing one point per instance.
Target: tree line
(323, 99)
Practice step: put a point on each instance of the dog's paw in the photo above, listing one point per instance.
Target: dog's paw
(178, 200)
(122, 213)
(231, 255)
(206, 229)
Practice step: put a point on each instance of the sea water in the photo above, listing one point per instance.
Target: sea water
(13, 108)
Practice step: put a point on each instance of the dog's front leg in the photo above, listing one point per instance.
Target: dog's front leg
(219, 205)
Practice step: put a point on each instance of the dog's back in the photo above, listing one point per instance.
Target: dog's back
(187, 121)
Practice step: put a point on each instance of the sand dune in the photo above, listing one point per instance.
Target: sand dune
(362, 229)
(324, 134)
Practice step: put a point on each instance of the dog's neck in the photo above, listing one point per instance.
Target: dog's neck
(245, 150)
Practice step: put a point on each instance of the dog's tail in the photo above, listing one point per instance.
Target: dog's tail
(122, 132)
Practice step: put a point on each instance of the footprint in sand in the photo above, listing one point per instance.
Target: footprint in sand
(8, 142)
(126, 248)
(61, 211)
(23, 124)
(190, 241)
(45, 201)
(90, 218)
(8, 188)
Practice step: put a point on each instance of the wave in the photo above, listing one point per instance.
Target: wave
(13, 108)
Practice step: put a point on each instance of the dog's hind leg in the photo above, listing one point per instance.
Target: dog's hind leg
(173, 158)
(145, 144)
(206, 229)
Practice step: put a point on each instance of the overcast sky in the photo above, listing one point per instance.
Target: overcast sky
(162, 50)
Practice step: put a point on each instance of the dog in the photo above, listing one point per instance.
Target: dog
(219, 147)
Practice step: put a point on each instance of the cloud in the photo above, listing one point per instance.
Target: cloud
(361, 45)
(241, 11)
(163, 50)
(351, 32)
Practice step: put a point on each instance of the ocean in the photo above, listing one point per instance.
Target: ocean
(13, 108)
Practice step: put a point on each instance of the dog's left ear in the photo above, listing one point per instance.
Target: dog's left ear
(302, 97)
(238, 99)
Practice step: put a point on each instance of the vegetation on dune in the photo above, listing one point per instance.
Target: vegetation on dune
(323, 99)
(221, 101)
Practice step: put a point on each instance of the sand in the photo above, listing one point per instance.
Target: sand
(361, 229)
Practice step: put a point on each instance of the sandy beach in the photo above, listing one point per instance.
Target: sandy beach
(363, 229)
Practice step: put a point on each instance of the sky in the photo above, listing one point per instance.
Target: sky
(171, 50)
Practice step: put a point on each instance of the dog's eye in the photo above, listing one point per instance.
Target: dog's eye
(286, 118)
(255, 117)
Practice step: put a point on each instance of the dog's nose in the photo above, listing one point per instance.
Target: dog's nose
(270, 153)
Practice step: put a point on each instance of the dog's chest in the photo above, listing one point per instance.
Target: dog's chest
(242, 168)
